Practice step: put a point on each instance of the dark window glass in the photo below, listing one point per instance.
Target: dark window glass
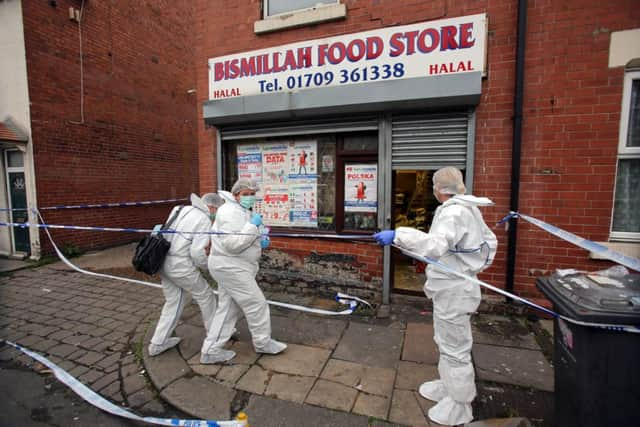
(626, 210)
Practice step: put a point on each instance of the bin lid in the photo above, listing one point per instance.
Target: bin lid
(593, 298)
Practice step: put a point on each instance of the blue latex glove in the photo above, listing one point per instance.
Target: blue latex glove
(265, 242)
(256, 220)
(385, 237)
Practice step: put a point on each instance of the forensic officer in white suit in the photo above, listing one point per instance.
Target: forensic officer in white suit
(233, 263)
(460, 239)
(181, 278)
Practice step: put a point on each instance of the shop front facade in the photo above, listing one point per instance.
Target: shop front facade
(343, 111)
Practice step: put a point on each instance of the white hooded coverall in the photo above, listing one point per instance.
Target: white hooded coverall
(459, 238)
(233, 263)
(179, 273)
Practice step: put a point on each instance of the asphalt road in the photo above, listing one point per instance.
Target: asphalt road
(30, 399)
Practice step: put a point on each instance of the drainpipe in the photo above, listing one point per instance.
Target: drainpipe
(517, 143)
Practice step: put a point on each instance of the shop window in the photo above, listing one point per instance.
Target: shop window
(626, 221)
(324, 182)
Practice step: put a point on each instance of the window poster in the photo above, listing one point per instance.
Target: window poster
(250, 162)
(287, 175)
(275, 206)
(360, 187)
(303, 196)
(275, 164)
(327, 163)
(303, 159)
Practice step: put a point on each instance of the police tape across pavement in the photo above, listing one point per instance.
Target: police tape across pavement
(633, 263)
(100, 402)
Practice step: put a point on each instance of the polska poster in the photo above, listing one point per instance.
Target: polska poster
(360, 187)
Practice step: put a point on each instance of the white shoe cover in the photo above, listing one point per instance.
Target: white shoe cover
(272, 347)
(219, 356)
(433, 390)
(156, 349)
(448, 412)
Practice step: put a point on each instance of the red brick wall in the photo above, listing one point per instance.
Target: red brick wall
(138, 140)
(571, 112)
(571, 125)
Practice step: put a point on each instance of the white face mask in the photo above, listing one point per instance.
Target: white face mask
(247, 201)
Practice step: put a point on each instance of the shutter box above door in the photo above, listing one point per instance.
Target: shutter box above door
(429, 142)
(305, 127)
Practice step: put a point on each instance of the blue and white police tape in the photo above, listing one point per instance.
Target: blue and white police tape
(100, 402)
(443, 267)
(100, 205)
(349, 300)
(622, 259)
(171, 231)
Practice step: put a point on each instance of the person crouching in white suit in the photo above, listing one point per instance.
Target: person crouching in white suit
(460, 239)
(181, 278)
(233, 263)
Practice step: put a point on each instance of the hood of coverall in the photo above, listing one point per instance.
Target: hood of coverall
(470, 200)
(197, 202)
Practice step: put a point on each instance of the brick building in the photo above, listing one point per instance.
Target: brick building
(100, 96)
(342, 108)
(390, 91)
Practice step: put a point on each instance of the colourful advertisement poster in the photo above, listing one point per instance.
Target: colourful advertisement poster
(360, 187)
(303, 159)
(275, 164)
(275, 206)
(250, 162)
(303, 201)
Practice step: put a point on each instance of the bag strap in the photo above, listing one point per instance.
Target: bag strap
(173, 218)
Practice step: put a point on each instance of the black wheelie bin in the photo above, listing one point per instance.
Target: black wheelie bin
(597, 369)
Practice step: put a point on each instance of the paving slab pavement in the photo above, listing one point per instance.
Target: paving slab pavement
(370, 369)
(338, 371)
(522, 367)
(370, 345)
(506, 351)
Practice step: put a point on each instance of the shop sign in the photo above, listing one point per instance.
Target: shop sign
(433, 48)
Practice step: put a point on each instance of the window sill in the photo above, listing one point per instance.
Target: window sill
(297, 19)
(629, 249)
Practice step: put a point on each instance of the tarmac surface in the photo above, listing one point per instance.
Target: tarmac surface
(355, 370)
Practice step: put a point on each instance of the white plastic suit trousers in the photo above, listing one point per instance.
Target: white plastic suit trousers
(453, 304)
(238, 293)
(178, 290)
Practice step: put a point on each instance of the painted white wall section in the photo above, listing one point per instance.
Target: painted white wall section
(14, 102)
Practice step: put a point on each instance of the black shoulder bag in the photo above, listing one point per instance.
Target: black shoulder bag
(152, 250)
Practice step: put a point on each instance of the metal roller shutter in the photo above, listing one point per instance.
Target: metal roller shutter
(428, 142)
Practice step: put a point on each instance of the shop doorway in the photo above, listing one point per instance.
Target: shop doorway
(413, 206)
(17, 192)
